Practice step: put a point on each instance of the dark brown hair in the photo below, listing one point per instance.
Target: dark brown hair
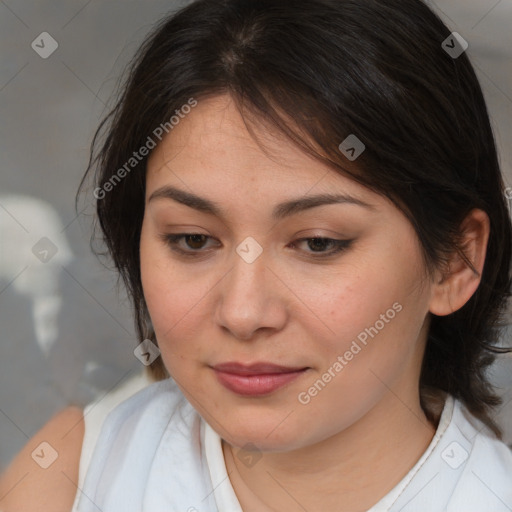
(318, 71)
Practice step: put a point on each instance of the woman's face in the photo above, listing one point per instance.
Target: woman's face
(252, 289)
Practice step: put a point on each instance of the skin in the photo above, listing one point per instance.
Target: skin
(27, 487)
(293, 309)
(358, 437)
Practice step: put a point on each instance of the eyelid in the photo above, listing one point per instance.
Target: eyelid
(172, 239)
(339, 246)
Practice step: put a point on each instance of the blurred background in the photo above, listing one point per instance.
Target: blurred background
(66, 331)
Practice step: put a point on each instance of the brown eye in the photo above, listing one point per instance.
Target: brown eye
(192, 246)
(319, 244)
(195, 241)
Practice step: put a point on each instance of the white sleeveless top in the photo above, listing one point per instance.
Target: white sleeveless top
(155, 453)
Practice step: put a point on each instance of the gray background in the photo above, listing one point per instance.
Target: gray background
(66, 333)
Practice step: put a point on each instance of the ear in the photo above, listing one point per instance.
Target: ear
(455, 286)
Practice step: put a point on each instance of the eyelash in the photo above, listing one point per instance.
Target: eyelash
(173, 239)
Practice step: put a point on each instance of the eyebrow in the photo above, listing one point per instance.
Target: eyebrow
(279, 212)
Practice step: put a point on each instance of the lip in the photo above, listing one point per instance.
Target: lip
(255, 379)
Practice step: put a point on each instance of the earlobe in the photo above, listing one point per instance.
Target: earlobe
(455, 286)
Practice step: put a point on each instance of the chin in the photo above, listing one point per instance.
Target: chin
(262, 436)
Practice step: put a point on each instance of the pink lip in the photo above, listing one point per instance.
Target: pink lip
(255, 379)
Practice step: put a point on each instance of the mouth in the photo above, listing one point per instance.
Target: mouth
(257, 379)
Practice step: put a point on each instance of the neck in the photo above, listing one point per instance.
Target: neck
(356, 467)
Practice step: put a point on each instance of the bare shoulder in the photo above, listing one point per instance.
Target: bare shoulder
(44, 475)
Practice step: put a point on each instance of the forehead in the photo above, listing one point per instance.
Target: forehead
(212, 145)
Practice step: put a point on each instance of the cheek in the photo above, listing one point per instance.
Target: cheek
(166, 297)
(177, 303)
(373, 310)
(351, 302)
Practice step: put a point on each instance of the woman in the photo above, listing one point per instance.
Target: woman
(305, 203)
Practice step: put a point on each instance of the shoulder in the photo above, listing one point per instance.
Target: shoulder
(129, 443)
(150, 407)
(485, 482)
(44, 474)
(465, 469)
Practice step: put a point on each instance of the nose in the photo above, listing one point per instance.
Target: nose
(251, 299)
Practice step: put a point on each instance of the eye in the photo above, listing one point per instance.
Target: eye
(195, 242)
(317, 244)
